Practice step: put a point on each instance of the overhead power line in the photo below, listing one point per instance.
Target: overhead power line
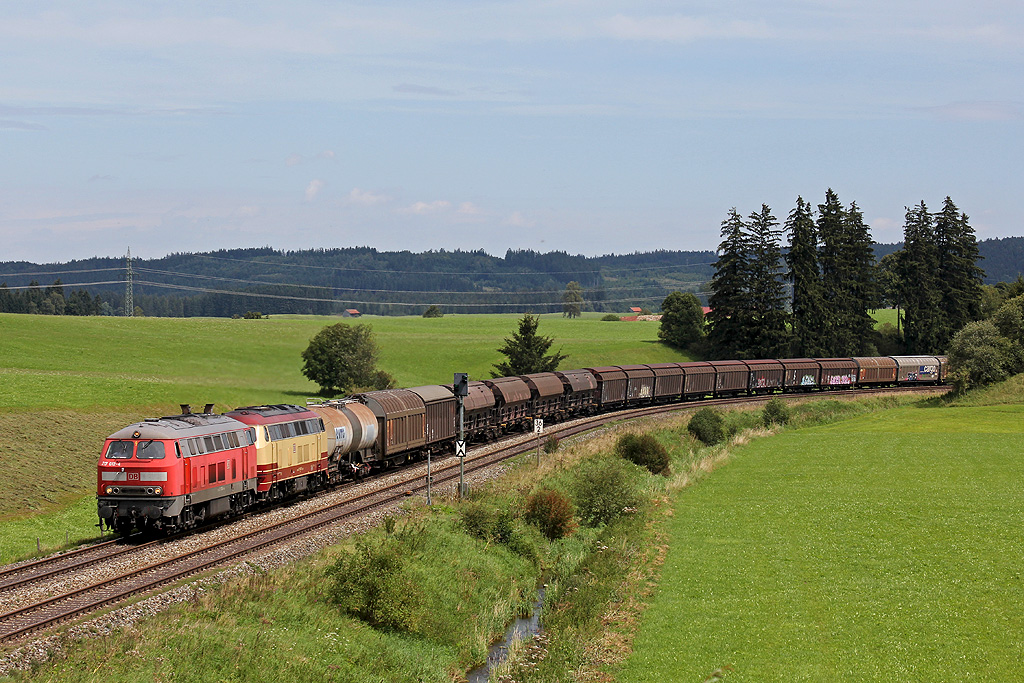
(381, 291)
(419, 304)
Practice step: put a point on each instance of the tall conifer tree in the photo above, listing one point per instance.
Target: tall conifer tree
(730, 319)
(861, 291)
(802, 259)
(831, 233)
(959, 277)
(768, 335)
(920, 268)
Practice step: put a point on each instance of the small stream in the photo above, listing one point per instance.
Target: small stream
(523, 628)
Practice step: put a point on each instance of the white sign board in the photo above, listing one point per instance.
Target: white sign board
(460, 449)
(538, 426)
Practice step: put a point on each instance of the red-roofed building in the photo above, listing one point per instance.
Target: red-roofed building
(350, 313)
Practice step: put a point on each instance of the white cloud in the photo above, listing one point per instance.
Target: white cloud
(293, 160)
(978, 111)
(469, 209)
(326, 154)
(678, 28)
(427, 208)
(518, 220)
(366, 197)
(313, 188)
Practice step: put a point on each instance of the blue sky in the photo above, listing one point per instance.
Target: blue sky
(589, 127)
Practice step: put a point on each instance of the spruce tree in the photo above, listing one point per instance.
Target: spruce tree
(831, 232)
(921, 294)
(768, 335)
(729, 322)
(861, 290)
(808, 308)
(526, 351)
(959, 277)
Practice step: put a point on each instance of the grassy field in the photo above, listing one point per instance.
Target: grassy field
(885, 547)
(68, 382)
(82, 363)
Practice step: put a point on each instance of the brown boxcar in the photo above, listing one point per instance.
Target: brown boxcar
(580, 390)
(874, 370)
(837, 372)
(639, 383)
(766, 375)
(698, 379)
(547, 391)
(611, 386)
(800, 374)
(478, 409)
(731, 376)
(400, 416)
(511, 400)
(668, 381)
(943, 367)
(918, 369)
(439, 405)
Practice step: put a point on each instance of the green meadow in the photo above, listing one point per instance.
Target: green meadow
(68, 382)
(883, 547)
(90, 362)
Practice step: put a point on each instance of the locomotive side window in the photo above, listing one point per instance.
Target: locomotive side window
(213, 473)
(220, 471)
(120, 450)
(150, 450)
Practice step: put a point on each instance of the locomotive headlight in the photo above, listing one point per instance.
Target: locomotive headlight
(110, 490)
(157, 491)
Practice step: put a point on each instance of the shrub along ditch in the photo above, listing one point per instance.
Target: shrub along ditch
(421, 597)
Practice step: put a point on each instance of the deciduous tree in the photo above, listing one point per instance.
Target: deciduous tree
(572, 300)
(682, 320)
(343, 358)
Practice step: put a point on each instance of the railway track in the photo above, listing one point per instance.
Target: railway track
(49, 611)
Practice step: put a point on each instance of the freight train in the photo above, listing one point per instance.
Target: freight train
(173, 473)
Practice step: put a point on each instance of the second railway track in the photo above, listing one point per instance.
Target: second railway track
(43, 613)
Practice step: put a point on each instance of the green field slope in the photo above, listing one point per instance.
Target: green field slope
(886, 547)
(71, 362)
(67, 382)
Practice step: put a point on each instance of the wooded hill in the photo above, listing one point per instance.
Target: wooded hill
(327, 281)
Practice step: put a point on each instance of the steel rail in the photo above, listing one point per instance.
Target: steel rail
(49, 611)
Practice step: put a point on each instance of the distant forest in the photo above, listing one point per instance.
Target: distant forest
(328, 281)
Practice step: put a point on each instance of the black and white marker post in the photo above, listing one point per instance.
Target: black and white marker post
(461, 390)
(538, 429)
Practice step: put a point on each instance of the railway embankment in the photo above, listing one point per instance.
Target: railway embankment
(451, 578)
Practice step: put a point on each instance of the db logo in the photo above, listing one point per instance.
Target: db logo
(133, 476)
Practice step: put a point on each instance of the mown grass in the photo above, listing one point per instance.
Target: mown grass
(82, 363)
(877, 548)
(67, 382)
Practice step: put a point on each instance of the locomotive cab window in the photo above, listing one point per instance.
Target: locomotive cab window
(150, 450)
(120, 450)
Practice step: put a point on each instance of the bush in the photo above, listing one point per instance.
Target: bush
(707, 426)
(374, 584)
(980, 355)
(643, 450)
(433, 312)
(611, 317)
(550, 511)
(487, 523)
(776, 412)
(604, 489)
(551, 445)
